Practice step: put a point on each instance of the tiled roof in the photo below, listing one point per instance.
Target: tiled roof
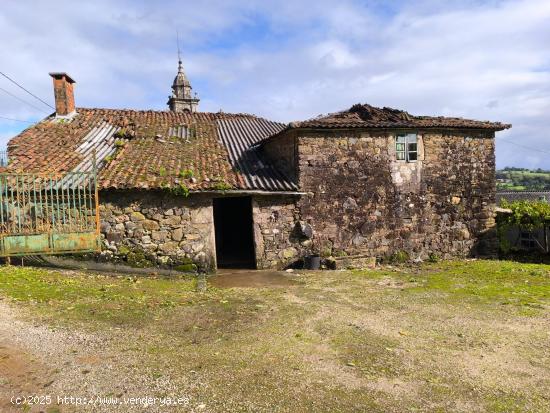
(154, 149)
(367, 116)
(511, 196)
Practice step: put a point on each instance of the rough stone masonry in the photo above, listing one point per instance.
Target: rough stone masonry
(366, 202)
(146, 229)
(359, 201)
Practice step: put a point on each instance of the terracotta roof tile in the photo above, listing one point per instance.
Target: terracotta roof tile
(367, 116)
(154, 149)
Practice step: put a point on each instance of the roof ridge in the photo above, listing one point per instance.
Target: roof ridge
(176, 114)
(365, 115)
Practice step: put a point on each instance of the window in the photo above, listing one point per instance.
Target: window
(527, 240)
(406, 147)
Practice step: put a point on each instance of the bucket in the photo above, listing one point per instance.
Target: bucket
(313, 262)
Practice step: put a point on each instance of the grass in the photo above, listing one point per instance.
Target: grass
(450, 336)
(490, 282)
(108, 299)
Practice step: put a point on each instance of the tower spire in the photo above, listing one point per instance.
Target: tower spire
(182, 99)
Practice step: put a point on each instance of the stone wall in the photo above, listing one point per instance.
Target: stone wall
(276, 239)
(365, 202)
(361, 202)
(150, 228)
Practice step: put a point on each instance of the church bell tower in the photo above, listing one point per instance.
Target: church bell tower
(182, 99)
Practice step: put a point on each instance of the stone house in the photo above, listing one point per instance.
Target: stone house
(187, 189)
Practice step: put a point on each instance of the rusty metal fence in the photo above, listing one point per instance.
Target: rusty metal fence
(48, 214)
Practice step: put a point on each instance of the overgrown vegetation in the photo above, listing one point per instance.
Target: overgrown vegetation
(123, 134)
(399, 257)
(186, 174)
(180, 190)
(221, 186)
(526, 215)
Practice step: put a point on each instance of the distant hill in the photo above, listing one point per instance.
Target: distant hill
(520, 179)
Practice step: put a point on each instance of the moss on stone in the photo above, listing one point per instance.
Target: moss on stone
(138, 259)
(186, 268)
(137, 216)
(123, 250)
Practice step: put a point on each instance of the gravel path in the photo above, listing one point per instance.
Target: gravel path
(37, 360)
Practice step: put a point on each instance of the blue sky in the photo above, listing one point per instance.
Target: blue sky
(292, 60)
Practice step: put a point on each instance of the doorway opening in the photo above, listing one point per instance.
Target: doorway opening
(234, 232)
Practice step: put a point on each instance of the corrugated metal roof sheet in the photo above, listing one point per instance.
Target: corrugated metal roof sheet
(241, 137)
(511, 196)
(99, 141)
(180, 131)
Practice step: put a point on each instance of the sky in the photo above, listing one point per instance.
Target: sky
(291, 60)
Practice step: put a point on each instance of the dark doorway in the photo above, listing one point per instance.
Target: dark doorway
(234, 233)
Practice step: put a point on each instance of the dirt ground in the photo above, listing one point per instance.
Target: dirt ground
(447, 337)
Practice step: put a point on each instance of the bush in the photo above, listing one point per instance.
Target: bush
(398, 257)
(526, 215)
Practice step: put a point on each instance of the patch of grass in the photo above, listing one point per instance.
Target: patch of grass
(493, 282)
(85, 297)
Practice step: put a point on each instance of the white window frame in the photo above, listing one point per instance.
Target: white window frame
(403, 147)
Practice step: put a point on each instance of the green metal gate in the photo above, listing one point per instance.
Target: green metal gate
(48, 214)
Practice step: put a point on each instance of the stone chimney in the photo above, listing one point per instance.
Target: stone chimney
(64, 94)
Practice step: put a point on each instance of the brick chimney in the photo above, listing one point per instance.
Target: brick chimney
(64, 94)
